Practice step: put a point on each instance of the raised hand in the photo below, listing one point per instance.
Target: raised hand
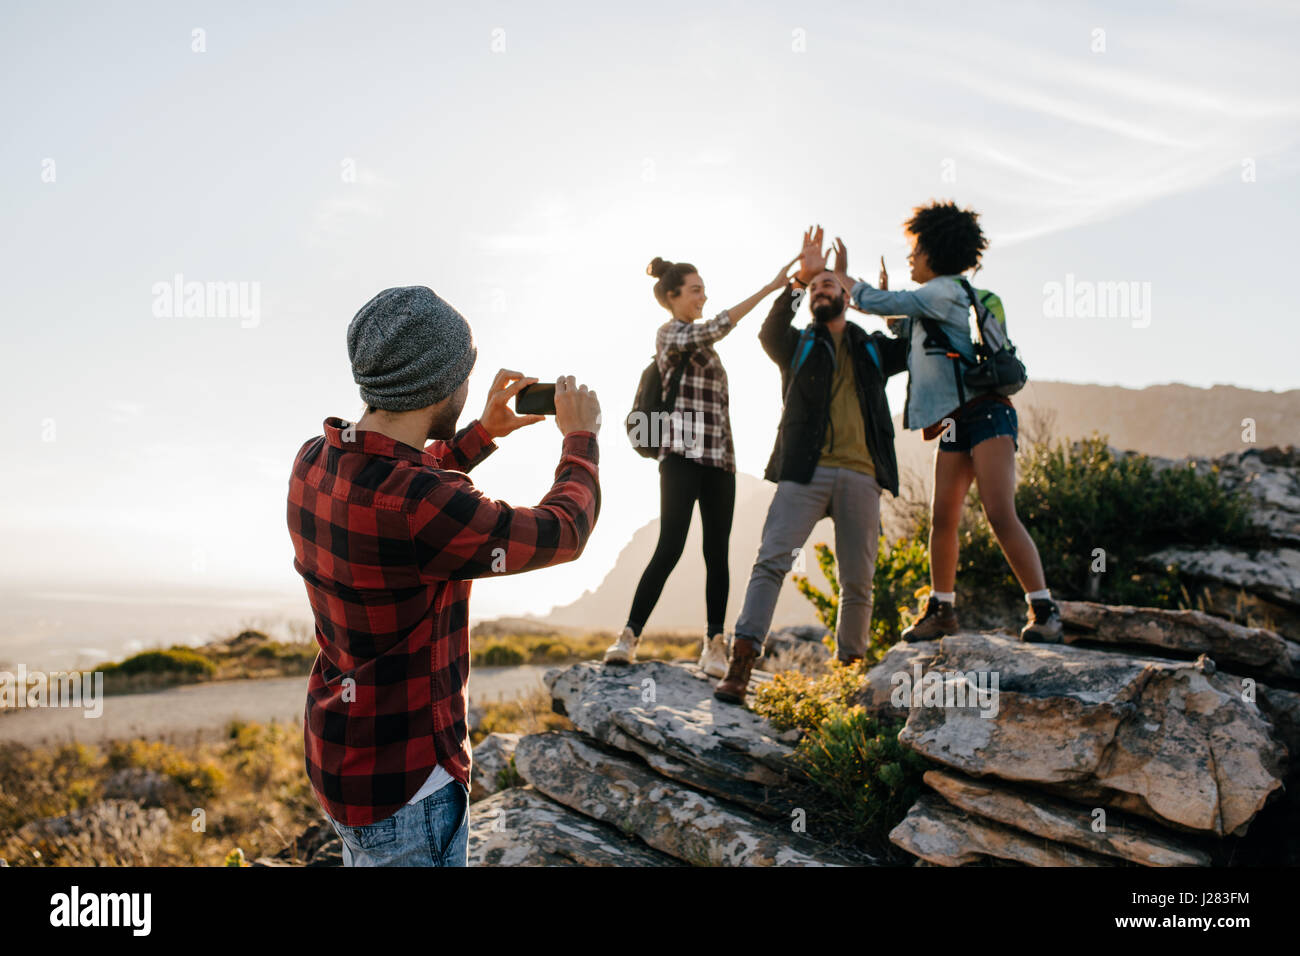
(812, 259)
(498, 418)
(783, 276)
(884, 274)
(841, 267)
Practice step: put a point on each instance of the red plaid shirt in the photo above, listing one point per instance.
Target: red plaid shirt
(386, 538)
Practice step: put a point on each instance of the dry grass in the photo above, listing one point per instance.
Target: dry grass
(529, 714)
(491, 649)
(249, 788)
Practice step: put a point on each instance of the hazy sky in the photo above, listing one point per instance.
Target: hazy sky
(526, 161)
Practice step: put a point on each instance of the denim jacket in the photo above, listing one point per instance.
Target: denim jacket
(931, 383)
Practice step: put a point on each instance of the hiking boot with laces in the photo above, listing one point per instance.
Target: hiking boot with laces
(744, 654)
(1044, 625)
(713, 657)
(940, 618)
(622, 651)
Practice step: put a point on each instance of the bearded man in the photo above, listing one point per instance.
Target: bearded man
(834, 455)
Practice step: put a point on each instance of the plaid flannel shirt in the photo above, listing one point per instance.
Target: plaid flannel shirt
(387, 538)
(701, 428)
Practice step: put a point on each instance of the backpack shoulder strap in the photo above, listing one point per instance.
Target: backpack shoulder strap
(802, 348)
(935, 331)
(990, 326)
(675, 383)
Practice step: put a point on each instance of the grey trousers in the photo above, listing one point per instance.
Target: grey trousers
(852, 500)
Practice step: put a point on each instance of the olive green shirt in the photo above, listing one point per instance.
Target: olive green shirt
(845, 445)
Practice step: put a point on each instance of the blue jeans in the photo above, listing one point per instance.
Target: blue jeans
(986, 420)
(433, 832)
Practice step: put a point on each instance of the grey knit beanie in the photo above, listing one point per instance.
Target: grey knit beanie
(409, 349)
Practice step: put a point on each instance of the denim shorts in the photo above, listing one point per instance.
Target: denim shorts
(986, 420)
(433, 832)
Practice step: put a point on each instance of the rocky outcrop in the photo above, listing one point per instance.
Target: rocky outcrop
(149, 788)
(492, 758)
(666, 714)
(1269, 478)
(1283, 708)
(318, 845)
(938, 834)
(884, 690)
(1098, 753)
(1257, 581)
(670, 817)
(520, 827)
(114, 829)
(1060, 821)
(795, 648)
(1108, 751)
(1272, 573)
(1185, 633)
(1170, 740)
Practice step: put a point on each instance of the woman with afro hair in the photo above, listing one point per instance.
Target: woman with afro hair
(977, 429)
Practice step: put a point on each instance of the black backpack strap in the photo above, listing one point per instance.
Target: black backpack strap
(974, 304)
(675, 383)
(936, 332)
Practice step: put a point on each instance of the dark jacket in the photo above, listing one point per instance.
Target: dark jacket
(807, 361)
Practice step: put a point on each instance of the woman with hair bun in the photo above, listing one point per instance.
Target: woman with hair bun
(697, 459)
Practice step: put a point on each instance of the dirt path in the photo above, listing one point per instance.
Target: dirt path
(203, 709)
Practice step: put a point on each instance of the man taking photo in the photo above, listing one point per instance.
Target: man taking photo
(388, 533)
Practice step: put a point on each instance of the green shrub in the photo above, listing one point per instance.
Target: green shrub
(902, 576)
(793, 700)
(501, 655)
(1075, 501)
(279, 651)
(860, 780)
(175, 660)
(509, 776)
(199, 779)
(1081, 504)
(902, 573)
(860, 769)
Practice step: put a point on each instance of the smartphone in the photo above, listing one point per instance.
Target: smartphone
(536, 399)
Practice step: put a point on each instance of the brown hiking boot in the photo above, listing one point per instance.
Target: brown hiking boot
(940, 618)
(1044, 625)
(744, 654)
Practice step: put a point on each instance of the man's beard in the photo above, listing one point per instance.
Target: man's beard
(828, 312)
(444, 427)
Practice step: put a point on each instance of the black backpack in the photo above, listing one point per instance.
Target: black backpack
(650, 401)
(997, 368)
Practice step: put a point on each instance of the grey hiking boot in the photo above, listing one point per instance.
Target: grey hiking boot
(1044, 625)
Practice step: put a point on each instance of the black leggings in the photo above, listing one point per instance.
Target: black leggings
(681, 482)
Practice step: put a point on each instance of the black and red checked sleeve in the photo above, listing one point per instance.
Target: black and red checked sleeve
(469, 447)
(459, 533)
